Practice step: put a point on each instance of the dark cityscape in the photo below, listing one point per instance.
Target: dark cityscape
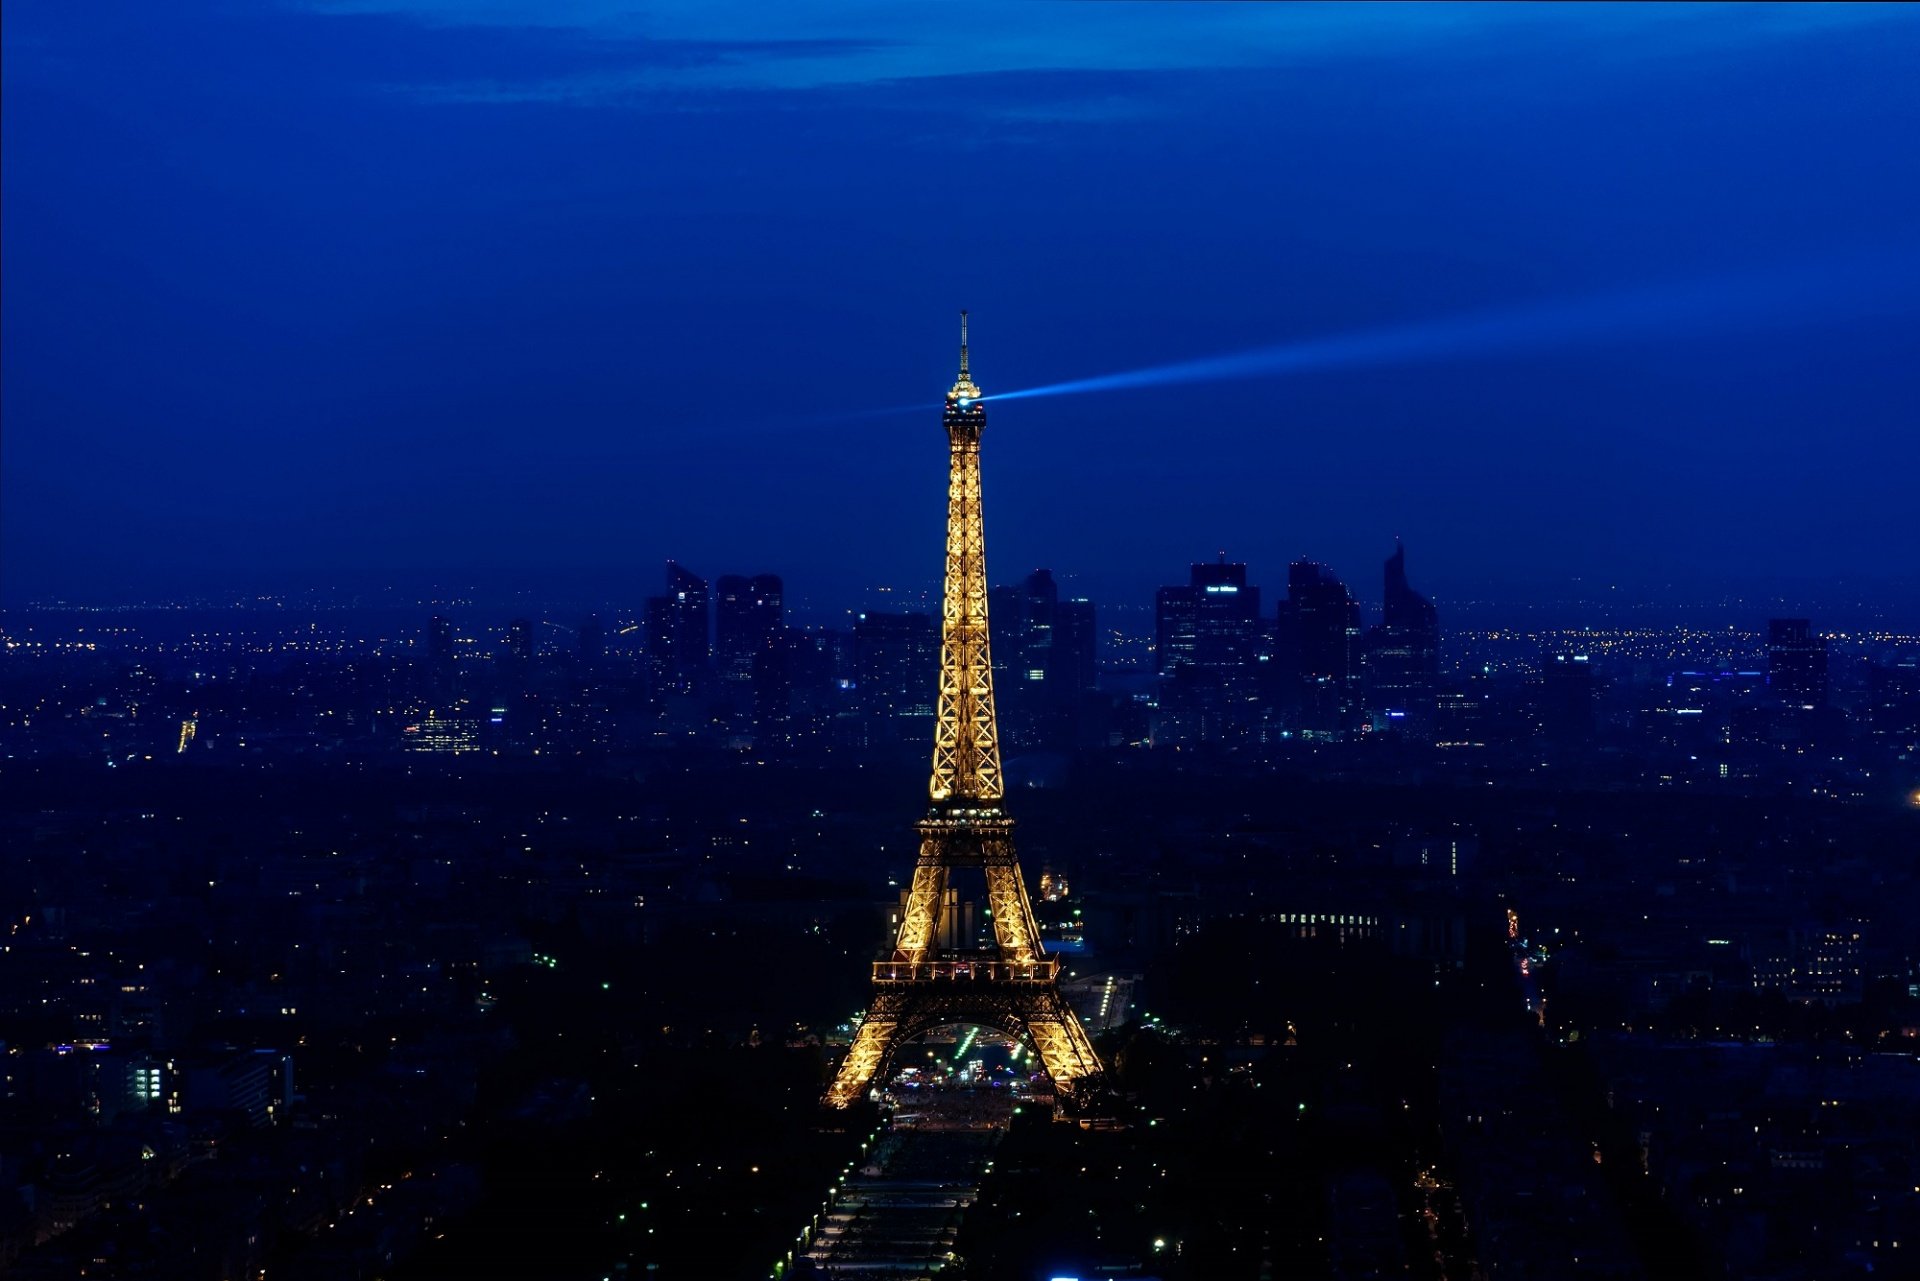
(514, 765)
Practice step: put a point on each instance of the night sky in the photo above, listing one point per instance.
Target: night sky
(508, 288)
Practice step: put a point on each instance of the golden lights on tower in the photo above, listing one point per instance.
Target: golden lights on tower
(1014, 985)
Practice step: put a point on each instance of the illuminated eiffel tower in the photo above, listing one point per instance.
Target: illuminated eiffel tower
(1013, 986)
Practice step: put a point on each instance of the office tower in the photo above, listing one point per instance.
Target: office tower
(1042, 599)
(933, 975)
(1173, 615)
(746, 615)
(1796, 663)
(677, 649)
(1403, 656)
(1325, 623)
(688, 591)
(1007, 623)
(1212, 622)
(1038, 682)
(1210, 640)
(1317, 647)
(1023, 618)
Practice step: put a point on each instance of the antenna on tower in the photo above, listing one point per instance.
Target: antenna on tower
(963, 342)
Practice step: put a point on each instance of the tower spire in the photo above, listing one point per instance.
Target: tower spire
(963, 392)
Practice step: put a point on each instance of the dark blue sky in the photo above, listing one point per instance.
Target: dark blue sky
(501, 287)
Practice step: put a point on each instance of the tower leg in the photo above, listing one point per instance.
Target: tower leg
(1063, 1045)
(869, 1050)
(920, 925)
(1013, 927)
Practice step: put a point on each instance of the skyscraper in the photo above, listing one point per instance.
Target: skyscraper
(677, 648)
(1007, 621)
(1209, 639)
(747, 613)
(1213, 622)
(1403, 655)
(1042, 659)
(1226, 620)
(1036, 646)
(1317, 646)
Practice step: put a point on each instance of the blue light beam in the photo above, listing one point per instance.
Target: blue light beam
(1776, 300)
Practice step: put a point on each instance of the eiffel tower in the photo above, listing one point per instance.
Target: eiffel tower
(1014, 986)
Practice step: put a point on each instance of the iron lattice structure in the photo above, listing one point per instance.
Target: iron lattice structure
(1014, 986)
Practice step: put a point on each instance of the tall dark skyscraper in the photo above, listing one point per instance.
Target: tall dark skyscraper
(1042, 658)
(1317, 647)
(1022, 623)
(677, 627)
(1403, 655)
(747, 612)
(1796, 662)
(1007, 625)
(1173, 612)
(1213, 622)
(1210, 640)
(1226, 619)
(1042, 602)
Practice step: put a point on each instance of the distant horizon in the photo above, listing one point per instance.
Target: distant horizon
(1832, 605)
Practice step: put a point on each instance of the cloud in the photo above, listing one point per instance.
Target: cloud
(799, 46)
